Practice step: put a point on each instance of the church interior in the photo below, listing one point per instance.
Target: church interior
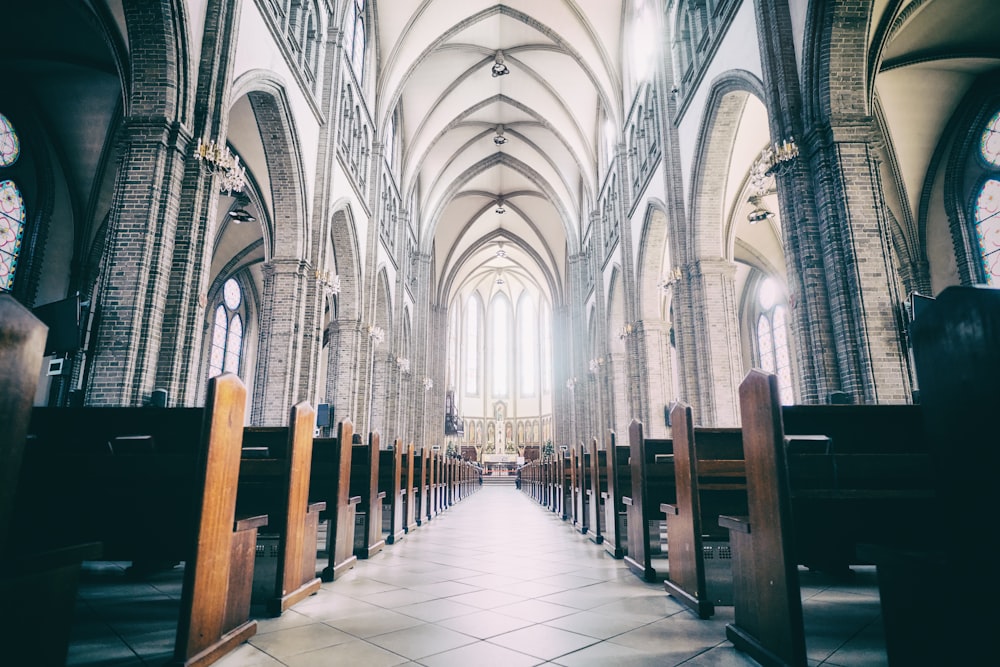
(504, 245)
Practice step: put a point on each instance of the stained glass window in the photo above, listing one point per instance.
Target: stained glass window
(988, 229)
(10, 145)
(990, 142)
(227, 332)
(11, 232)
(772, 338)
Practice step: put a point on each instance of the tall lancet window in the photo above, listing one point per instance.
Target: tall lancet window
(772, 337)
(500, 326)
(355, 39)
(472, 345)
(227, 331)
(527, 346)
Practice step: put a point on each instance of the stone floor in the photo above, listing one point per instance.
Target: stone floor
(494, 580)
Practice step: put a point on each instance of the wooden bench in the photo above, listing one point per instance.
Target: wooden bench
(330, 483)
(581, 489)
(390, 470)
(938, 598)
(597, 488)
(820, 481)
(365, 460)
(411, 499)
(153, 485)
(710, 477)
(619, 485)
(566, 474)
(274, 480)
(652, 473)
(42, 585)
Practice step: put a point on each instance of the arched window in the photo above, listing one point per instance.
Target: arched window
(389, 145)
(772, 337)
(986, 203)
(546, 348)
(355, 40)
(12, 211)
(472, 346)
(227, 331)
(500, 321)
(527, 346)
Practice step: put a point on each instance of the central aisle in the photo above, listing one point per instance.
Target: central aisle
(494, 580)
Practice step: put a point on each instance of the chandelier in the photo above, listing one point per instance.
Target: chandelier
(330, 282)
(499, 139)
(218, 160)
(777, 158)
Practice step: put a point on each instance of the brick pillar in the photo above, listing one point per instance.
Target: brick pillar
(652, 342)
(859, 266)
(347, 366)
(180, 365)
(134, 284)
(714, 327)
(807, 272)
(278, 358)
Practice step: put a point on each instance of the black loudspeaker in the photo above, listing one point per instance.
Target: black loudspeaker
(324, 415)
(158, 399)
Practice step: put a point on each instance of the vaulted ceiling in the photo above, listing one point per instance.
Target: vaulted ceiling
(435, 69)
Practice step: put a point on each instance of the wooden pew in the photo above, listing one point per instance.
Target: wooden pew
(938, 602)
(652, 472)
(390, 483)
(710, 477)
(812, 499)
(364, 484)
(619, 485)
(153, 484)
(274, 480)
(411, 500)
(567, 473)
(331, 483)
(597, 488)
(581, 489)
(42, 585)
(420, 485)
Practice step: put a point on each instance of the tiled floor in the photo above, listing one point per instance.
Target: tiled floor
(495, 580)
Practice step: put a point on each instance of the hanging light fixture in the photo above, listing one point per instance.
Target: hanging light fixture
(498, 138)
(239, 213)
(501, 253)
(499, 68)
(760, 213)
(501, 207)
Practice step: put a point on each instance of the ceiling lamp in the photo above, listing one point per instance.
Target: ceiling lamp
(240, 214)
(499, 68)
(501, 208)
(500, 280)
(501, 253)
(499, 139)
(759, 213)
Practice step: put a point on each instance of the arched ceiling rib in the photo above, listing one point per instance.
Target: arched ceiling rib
(435, 59)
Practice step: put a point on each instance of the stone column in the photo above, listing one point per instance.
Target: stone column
(858, 263)
(714, 330)
(279, 353)
(180, 365)
(134, 284)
